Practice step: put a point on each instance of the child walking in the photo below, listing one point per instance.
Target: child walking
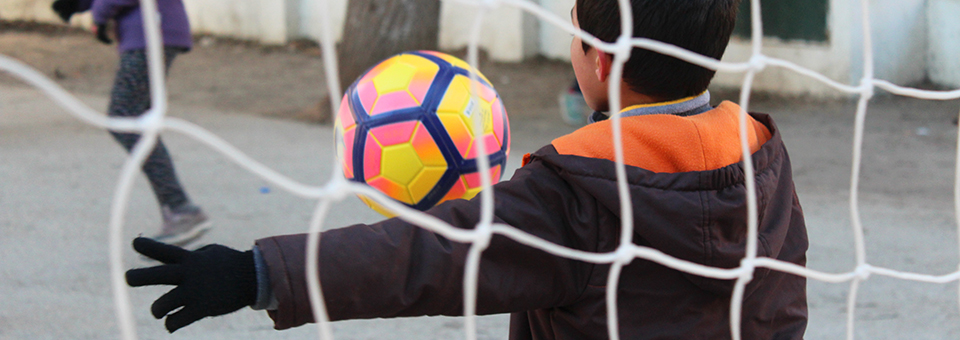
(183, 221)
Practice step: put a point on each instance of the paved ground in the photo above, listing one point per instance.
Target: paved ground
(58, 176)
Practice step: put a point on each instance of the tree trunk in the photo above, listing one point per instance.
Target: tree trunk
(377, 29)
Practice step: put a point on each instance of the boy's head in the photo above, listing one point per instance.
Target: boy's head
(701, 26)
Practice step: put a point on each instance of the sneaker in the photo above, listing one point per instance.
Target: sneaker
(182, 226)
(572, 107)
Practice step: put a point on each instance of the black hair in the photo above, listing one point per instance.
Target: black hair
(701, 26)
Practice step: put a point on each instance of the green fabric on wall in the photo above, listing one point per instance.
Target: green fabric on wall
(787, 19)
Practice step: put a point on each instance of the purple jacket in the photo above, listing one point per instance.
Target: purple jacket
(130, 36)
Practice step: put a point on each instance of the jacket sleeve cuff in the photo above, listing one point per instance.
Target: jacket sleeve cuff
(266, 300)
(285, 268)
(98, 20)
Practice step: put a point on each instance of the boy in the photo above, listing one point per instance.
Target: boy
(688, 199)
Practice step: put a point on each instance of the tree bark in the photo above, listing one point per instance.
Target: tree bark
(377, 29)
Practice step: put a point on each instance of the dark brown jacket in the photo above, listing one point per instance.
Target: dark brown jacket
(393, 268)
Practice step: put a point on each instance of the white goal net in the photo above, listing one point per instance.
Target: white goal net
(337, 188)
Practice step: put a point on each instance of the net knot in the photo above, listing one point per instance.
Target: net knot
(336, 189)
(482, 234)
(151, 121)
(862, 272)
(747, 267)
(758, 62)
(624, 254)
(622, 48)
(866, 87)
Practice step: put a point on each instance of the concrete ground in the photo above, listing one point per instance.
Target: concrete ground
(58, 175)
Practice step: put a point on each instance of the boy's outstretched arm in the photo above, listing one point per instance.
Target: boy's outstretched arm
(210, 281)
(396, 269)
(393, 268)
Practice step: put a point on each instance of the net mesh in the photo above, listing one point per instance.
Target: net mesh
(337, 188)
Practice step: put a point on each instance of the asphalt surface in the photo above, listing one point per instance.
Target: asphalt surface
(58, 176)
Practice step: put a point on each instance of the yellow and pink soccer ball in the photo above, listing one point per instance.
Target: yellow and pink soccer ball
(406, 128)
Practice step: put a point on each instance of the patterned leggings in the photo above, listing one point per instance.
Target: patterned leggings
(130, 97)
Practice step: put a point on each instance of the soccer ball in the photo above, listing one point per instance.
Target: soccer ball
(406, 128)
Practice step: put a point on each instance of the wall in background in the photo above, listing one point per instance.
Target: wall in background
(914, 40)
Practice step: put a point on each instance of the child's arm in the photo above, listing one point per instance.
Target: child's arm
(393, 268)
(105, 10)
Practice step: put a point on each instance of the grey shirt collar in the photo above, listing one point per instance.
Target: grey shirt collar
(684, 107)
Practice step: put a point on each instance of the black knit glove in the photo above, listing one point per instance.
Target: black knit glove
(102, 34)
(65, 8)
(210, 281)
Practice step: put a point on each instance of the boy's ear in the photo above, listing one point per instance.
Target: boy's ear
(604, 64)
